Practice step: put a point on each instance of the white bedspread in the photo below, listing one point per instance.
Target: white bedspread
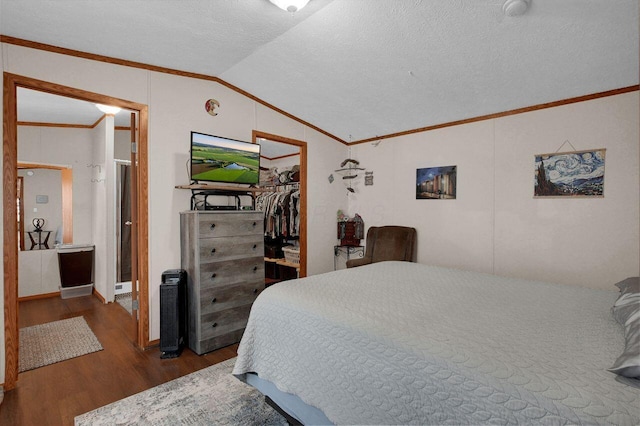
(405, 343)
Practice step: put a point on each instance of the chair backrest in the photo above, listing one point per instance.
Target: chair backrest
(391, 243)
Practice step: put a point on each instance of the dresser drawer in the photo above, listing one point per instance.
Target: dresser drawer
(214, 249)
(231, 224)
(215, 299)
(223, 322)
(203, 346)
(229, 272)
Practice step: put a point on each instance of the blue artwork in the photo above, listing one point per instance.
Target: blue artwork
(570, 174)
(436, 183)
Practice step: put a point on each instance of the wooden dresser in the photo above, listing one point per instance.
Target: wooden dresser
(223, 254)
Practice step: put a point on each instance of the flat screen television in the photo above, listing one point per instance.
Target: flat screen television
(218, 159)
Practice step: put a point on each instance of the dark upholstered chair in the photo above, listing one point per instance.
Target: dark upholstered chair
(388, 243)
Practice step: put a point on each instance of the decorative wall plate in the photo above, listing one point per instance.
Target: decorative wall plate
(210, 106)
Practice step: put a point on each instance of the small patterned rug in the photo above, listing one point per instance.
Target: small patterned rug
(56, 341)
(124, 300)
(211, 396)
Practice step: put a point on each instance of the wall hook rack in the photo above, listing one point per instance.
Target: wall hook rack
(96, 165)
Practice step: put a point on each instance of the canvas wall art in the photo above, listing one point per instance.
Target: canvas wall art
(570, 174)
(436, 183)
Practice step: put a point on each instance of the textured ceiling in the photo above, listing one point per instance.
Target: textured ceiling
(360, 69)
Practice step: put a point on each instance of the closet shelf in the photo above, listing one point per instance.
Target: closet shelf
(281, 261)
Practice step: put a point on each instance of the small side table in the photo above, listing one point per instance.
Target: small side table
(348, 252)
(41, 241)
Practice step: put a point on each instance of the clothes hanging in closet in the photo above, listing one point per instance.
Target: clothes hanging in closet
(281, 213)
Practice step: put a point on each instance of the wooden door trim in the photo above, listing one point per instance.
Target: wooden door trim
(21, 222)
(256, 134)
(133, 197)
(10, 245)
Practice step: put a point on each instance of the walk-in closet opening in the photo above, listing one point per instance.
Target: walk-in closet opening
(282, 199)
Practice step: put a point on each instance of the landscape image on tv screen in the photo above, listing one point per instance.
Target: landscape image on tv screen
(218, 159)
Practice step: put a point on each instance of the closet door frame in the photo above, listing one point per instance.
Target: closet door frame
(256, 134)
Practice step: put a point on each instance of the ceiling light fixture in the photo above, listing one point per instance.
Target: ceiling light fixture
(515, 7)
(290, 5)
(107, 109)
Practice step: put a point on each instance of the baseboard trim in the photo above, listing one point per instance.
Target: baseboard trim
(39, 296)
(152, 344)
(98, 295)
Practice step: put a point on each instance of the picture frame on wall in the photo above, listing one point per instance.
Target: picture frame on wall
(436, 183)
(570, 174)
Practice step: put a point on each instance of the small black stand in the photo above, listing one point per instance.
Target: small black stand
(39, 242)
(199, 199)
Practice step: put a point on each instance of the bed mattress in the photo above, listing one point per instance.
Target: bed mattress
(406, 343)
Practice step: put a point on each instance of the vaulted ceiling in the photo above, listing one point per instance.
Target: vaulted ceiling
(360, 69)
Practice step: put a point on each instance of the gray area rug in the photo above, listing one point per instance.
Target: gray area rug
(211, 396)
(56, 341)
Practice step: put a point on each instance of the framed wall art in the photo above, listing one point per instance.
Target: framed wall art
(570, 174)
(436, 183)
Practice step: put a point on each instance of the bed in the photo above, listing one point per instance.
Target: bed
(407, 343)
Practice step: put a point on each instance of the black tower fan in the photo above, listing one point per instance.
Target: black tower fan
(173, 312)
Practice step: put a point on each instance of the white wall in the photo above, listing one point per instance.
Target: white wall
(45, 182)
(89, 155)
(495, 225)
(122, 144)
(176, 107)
(85, 151)
(38, 269)
(593, 242)
(64, 147)
(281, 163)
(38, 272)
(103, 210)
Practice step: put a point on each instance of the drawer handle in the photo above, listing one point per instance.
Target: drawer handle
(213, 250)
(255, 290)
(255, 246)
(255, 268)
(213, 225)
(215, 324)
(214, 300)
(214, 275)
(254, 224)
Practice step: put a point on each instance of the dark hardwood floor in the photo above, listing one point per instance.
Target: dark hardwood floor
(55, 394)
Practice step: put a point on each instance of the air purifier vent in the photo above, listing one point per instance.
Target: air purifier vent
(173, 312)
